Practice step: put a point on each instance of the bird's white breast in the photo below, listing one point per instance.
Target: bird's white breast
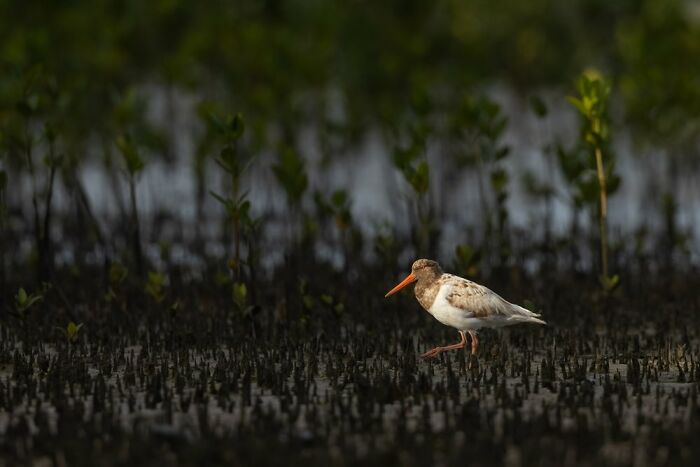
(451, 315)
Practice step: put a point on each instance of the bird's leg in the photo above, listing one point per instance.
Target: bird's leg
(475, 346)
(460, 345)
(475, 341)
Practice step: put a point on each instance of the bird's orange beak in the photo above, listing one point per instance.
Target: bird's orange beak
(410, 278)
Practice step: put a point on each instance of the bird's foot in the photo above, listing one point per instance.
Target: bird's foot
(473, 362)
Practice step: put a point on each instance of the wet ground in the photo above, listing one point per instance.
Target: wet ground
(207, 385)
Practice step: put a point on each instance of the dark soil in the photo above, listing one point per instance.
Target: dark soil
(613, 380)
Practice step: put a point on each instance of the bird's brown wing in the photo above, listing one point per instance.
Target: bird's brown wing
(476, 299)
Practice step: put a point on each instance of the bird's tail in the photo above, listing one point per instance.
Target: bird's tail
(526, 316)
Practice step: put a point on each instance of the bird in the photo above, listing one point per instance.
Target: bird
(461, 304)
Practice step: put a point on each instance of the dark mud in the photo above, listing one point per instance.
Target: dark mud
(611, 381)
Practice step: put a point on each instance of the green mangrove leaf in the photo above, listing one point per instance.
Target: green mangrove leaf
(133, 161)
(21, 296)
(117, 273)
(580, 106)
(499, 180)
(291, 174)
(235, 127)
(240, 294)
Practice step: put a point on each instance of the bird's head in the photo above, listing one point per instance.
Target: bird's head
(422, 269)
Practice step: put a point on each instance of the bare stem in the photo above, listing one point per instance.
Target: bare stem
(603, 208)
(35, 202)
(45, 253)
(236, 231)
(135, 228)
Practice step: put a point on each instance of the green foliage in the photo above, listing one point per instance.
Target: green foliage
(323, 303)
(410, 158)
(468, 260)
(230, 131)
(578, 169)
(592, 104)
(340, 206)
(481, 123)
(418, 177)
(136, 134)
(155, 286)
(535, 187)
(174, 308)
(117, 275)
(282, 52)
(51, 159)
(332, 304)
(385, 245)
(337, 207)
(291, 174)
(240, 295)
(308, 301)
(478, 124)
(72, 332)
(499, 185)
(658, 49)
(578, 165)
(332, 68)
(609, 283)
(236, 209)
(24, 301)
(411, 161)
(132, 159)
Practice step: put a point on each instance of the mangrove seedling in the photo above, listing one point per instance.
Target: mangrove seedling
(155, 286)
(71, 332)
(239, 292)
(24, 301)
(412, 162)
(32, 110)
(134, 165)
(334, 215)
(386, 246)
(136, 137)
(537, 183)
(479, 125)
(592, 104)
(290, 172)
(467, 260)
(237, 206)
(52, 161)
(174, 308)
(336, 207)
(117, 275)
(308, 301)
(333, 304)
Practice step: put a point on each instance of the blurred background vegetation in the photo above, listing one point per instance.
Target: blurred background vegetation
(451, 94)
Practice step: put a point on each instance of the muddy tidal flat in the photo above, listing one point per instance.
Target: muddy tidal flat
(204, 384)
